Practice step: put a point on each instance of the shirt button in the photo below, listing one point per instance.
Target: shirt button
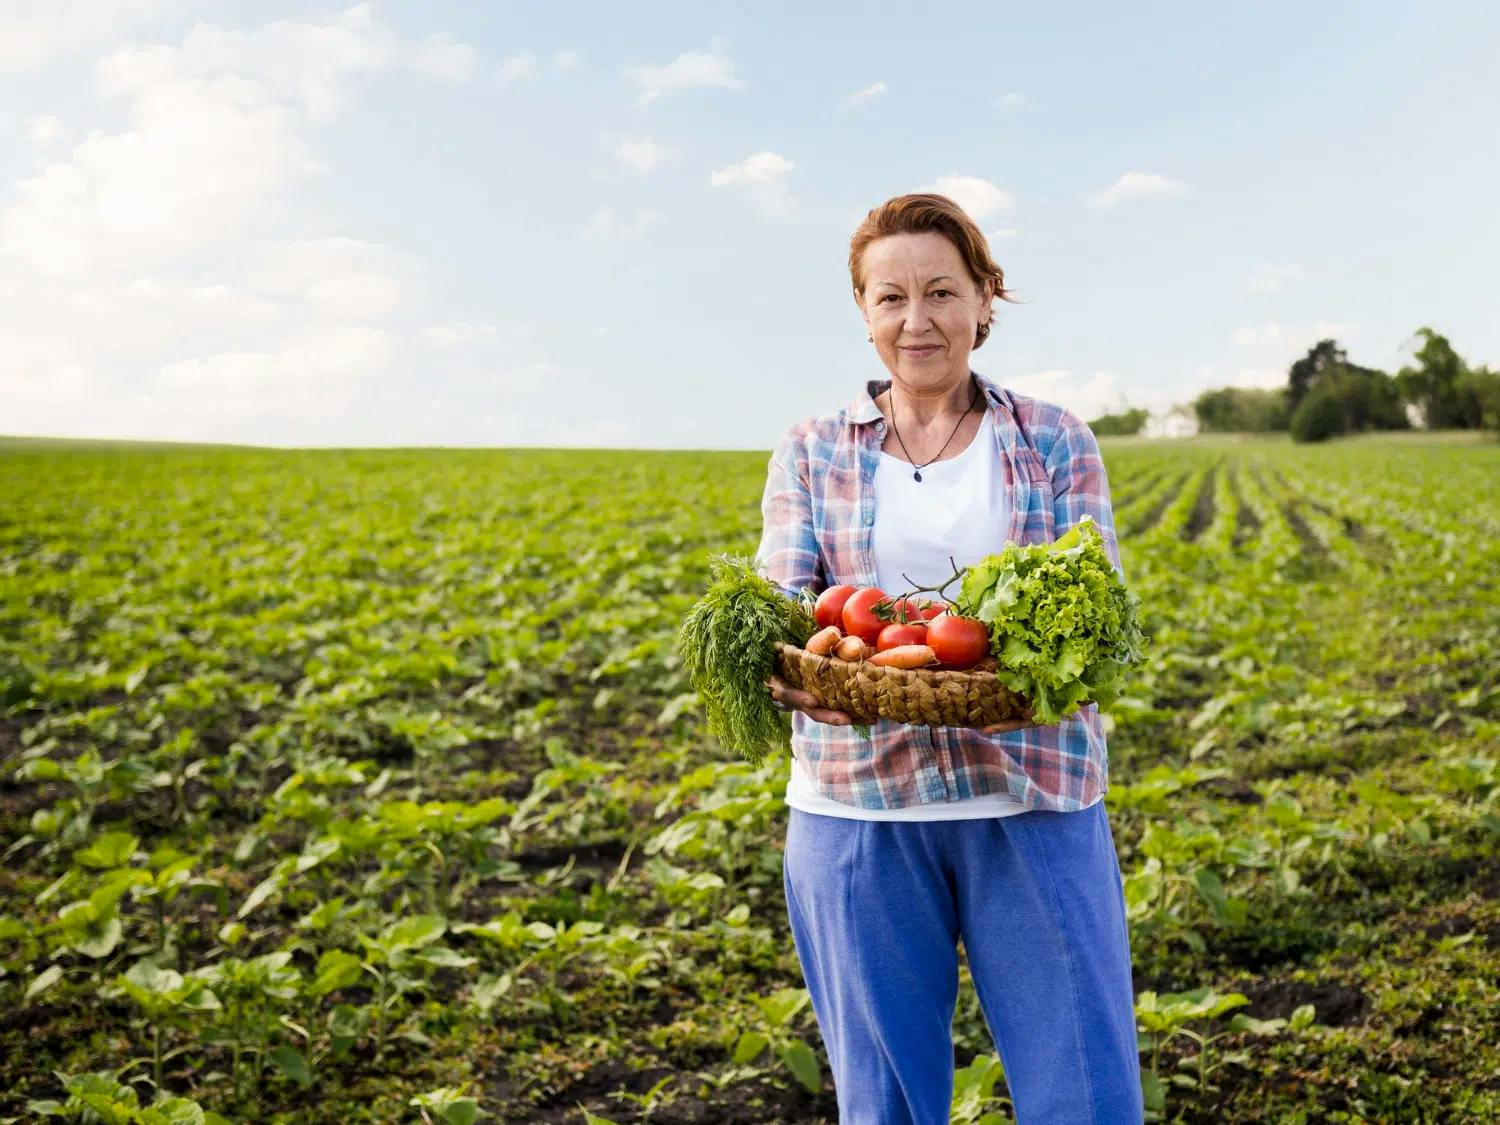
(870, 519)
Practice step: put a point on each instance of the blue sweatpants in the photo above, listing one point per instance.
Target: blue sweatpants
(877, 908)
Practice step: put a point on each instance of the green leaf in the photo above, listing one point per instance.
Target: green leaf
(1243, 1022)
(751, 1043)
(173, 1111)
(113, 849)
(726, 643)
(463, 1111)
(412, 933)
(803, 1064)
(291, 1062)
(263, 890)
(100, 939)
(1063, 626)
(1155, 1094)
(43, 981)
(445, 958)
(782, 1004)
(336, 969)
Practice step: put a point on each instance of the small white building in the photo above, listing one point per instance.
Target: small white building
(1179, 421)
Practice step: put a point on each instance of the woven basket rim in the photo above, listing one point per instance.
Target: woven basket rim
(929, 673)
(937, 697)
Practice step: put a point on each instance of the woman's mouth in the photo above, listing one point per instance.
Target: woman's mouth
(921, 353)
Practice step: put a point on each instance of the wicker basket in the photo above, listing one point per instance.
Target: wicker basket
(867, 692)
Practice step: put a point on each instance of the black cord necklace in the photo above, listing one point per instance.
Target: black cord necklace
(917, 470)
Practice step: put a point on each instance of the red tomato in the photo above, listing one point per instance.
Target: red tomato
(829, 608)
(859, 621)
(958, 642)
(898, 634)
(916, 610)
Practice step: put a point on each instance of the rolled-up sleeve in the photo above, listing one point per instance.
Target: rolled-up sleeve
(788, 552)
(1080, 485)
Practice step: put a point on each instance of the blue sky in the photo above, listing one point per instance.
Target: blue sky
(606, 225)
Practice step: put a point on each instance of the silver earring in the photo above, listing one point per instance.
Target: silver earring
(870, 337)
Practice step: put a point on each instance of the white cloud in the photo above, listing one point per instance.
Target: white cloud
(860, 97)
(1269, 278)
(260, 394)
(980, 198)
(441, 56)
(31, 34)
(148, 286)
(522, 65)
(764, 175)
(1256, 335)
(306, 64)
(217, 131)
(199, 161)
(1013, 100)
(1264, 377)
(1087, 395)
(563, 58)
(44, 130)
(338, 278)
(1137, 185)
(605, 224)
(694, 69)
(1336, 329)
(312, 371)
(1279, 337)
(566, 433)
(763, 167)
(48, 326)
(460, 334)
(642, 155)
(529, 378)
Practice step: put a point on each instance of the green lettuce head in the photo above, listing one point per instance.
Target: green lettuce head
(1061, 622)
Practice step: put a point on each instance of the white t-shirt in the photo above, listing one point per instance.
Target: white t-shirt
(958, 508)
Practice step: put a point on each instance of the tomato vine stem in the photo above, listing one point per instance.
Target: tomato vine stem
(940, 589)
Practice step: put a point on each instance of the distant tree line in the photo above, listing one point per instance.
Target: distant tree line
(1123, 424)
(1327, 395)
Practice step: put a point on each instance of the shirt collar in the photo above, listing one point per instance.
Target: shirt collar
(862, 408)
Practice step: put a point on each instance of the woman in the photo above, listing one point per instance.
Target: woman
(901, 844)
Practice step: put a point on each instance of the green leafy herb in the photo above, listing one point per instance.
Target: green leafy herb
(1062, 623)
(727, 642)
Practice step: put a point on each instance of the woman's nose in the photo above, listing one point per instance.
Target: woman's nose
(916, 316)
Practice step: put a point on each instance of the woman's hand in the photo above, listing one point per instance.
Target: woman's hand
(788, 698)
(1012, 724)
(1023, 722)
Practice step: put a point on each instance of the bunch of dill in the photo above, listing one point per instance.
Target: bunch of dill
(727, 642)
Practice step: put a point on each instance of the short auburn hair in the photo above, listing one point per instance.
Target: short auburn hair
(926, 211)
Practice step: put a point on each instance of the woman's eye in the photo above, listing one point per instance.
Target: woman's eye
(888, 297)
(943, 291)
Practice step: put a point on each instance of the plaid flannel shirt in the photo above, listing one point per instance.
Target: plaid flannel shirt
(819, 515)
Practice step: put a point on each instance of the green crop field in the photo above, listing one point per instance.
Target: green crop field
(365, 786)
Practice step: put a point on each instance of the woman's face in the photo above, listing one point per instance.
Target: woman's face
(922, 307)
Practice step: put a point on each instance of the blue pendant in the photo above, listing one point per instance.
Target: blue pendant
(917, 476)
